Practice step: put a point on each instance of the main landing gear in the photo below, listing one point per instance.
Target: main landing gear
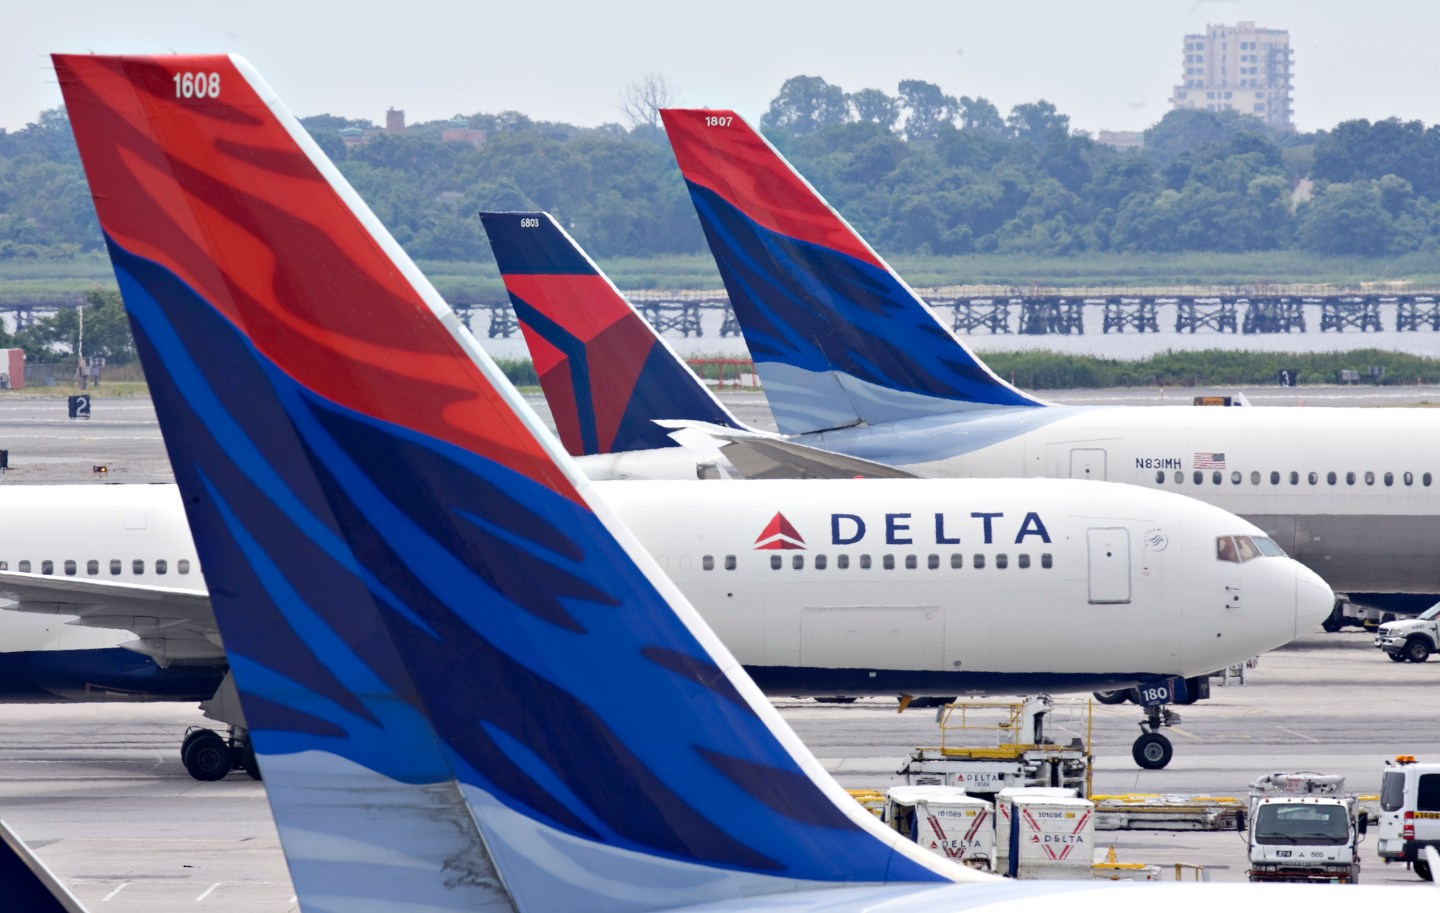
(207, 755)
(1152, 750)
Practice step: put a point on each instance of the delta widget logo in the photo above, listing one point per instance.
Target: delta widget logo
(779, 535)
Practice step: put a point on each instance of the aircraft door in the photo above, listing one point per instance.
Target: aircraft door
(1109, 549)
(1087, 463)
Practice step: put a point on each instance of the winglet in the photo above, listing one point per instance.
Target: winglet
(467, 685)
(838, 338)
(607, 375)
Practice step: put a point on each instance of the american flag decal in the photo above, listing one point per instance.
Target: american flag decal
(1209, 461)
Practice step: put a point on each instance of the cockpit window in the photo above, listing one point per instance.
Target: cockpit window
(1268, 548)
(1239, 549)
(1225, 549)
(1245, 548)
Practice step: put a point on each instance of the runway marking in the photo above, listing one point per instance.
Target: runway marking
(116, 891)
(208, 890)
(1189, 735)
(1298, 735)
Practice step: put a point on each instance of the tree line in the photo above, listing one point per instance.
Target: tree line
(920, 171)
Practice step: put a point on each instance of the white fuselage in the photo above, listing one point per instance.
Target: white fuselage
(1353, 493)
(851, 586)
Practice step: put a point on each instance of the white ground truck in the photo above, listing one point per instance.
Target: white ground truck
(1411, 639)
(1301, 828)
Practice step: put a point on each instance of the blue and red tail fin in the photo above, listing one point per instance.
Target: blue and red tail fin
(837, 337)
(607, 375)
(467, 685)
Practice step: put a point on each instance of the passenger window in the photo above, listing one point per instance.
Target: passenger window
(1425, 480)
(1313, 478)
(161, 565)
(864, 562)
(1225, 550)
(1235, 477)
(137, 566)
(1294, 477)
(1198, 476)
(798, 562)
(1179, 477)
(92, 567)
(114, 567)
(776, 562)
(24, 567)
(1330, 478)
(1369, 478)
(957, 561)
(1274, 477)
(707, 563)
(1215, 477)
(1002, 561)
(889, 561)
(47, 567)
(1409, 478)
(4, 565)
(1389, 479)
(1245, 548)
(1023, 560)
(1349, 478)
(911, 562)
(70, 567)
(820, 562)
(1159, 477)
(1046, 561)
(1255, 477)
(183, 565)
(842, 561)
(933, 562)
(979, 562)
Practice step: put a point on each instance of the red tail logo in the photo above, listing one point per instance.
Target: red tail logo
(779, 535)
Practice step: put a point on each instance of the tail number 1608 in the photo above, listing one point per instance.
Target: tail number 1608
(197, 85)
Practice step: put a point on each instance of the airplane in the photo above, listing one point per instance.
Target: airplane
(469, 687)
(853, 361)
(844, 587)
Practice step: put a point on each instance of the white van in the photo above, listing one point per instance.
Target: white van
(1409, 813)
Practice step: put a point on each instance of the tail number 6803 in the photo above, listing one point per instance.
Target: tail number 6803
(197, 85)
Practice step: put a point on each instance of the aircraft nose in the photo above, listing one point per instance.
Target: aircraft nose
(1314, 599)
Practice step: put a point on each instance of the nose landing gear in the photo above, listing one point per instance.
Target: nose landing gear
(1153, 750)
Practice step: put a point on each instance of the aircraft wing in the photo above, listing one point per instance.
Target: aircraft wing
(764, 456)
(170, 624)
(771, 458)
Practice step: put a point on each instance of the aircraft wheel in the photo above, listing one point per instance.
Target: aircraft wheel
(251, 765)
(194, 733)
(1152, 751)
(1422, 868)
(1113, 697)
(206, 756)
(1417, 650)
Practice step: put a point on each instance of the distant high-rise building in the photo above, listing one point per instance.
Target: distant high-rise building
(395, 120)
(1239, 68)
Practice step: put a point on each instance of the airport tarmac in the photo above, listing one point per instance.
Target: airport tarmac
(100, 793)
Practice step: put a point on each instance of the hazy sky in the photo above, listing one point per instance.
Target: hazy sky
(1109, 65)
